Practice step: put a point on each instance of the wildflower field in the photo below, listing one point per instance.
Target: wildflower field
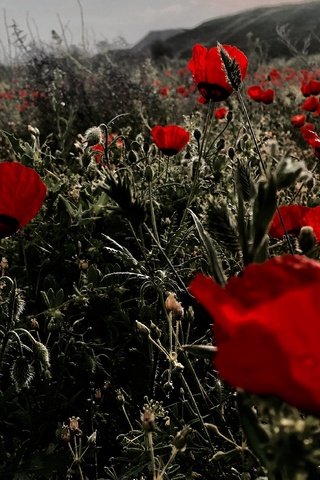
(160, 228)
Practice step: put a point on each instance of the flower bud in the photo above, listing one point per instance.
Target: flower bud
(148, 420)
(307, 239)
(148, 173)
(172, 305)
(180, 440)
(92, 136)
(197, 134)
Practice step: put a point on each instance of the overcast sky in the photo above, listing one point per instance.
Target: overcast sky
(107, 19)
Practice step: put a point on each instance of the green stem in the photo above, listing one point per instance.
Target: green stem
(262, 163)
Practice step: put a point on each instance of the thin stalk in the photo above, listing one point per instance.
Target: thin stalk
(262, 163)
(167, 465)
(168, 260)
(152, 214)
(196, 408)
(152, 459)
(197, 171)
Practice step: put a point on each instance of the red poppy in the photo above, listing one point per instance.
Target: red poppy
(310, 104)
(298, 120)
(314, 86)
(258, 94)
(294, 217)
(314, 142)
(182, 90)
(164, 91)
(22, 193)
(307, 131)
(98, 151)
(255, 92)
(267, 96)
(170, 139)
(305, 89)
(209, 73)
(267, 329)
(220, 113)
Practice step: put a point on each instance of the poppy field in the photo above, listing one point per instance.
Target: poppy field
(160, 229)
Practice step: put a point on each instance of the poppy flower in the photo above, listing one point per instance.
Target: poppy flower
(164, 91)
(314, 142)
(298, 120)
(305, 89)
(258, 94)
(220, 113)
(170, 139)
(255, 92)
(314, 86)
(310, 104)
(267, 329)
(294, 217)
(267, 96)
(22, 193)
(307, 131)
(209, 73)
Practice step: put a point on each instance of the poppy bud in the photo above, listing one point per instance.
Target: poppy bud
(230, 116)
(132, 157)
(172, 305)
(231, 153)
(180, 440)
(307, 239)
(92, 136)
(148, 174)
(148, 421)
(64, 434)
(220, 144)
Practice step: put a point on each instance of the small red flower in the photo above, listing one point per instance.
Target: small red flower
(305, 89)
(255, 92)
(22, 193)
(307, 131)
(98, 152)
(267, 96)
(310, 104)
(314, 86)
(208, 71)
(267, 329)
(220, 113)
(294, 217)
(298, 120)
(170, 139)
(183, 91)
(258, 94)
(164, 91)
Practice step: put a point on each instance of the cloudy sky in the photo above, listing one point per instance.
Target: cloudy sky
(107, 19)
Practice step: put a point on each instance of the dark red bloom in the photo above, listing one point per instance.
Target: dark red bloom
(267, 329)
(294, 217)
(267, 96)
(314, 142)
(22, 193)
(258, 94)
(208, 70)
(164, 91)
(182, 90)
(255, 92)
(298, 120)
(307, 131)
(170, 139)
(220, 113)
(314, 86)
(310, 104)
(305, 89)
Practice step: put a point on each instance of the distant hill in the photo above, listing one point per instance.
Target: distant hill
(302, 20)
(155, 36)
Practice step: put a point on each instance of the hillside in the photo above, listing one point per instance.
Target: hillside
(302, 20)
